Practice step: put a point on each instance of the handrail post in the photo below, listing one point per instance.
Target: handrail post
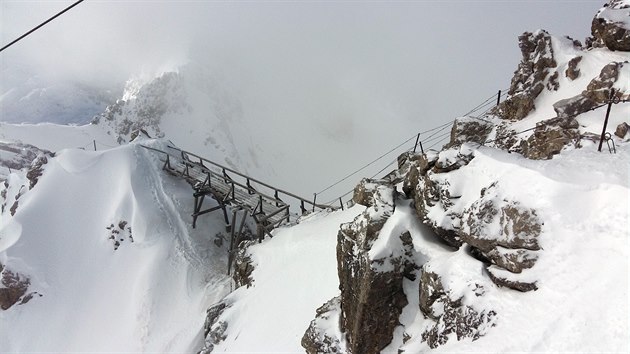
(275, 195)
(249, 187)
(302, 208)
(499, 97)
(610, 103)
(340, 202)
(416, 144)
(314, 200)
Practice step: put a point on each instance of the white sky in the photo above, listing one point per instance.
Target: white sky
(406, 48)
(394, 67)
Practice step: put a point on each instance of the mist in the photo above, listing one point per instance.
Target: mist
(316, 80)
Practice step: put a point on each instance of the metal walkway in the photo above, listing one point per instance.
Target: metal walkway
(260, 201)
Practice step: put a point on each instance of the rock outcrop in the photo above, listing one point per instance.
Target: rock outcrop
(322, 335)
(611, 26)
(535, 72)
(372, 297)
(450, 316)
(214, 330)
(14, 288)
(598, 92)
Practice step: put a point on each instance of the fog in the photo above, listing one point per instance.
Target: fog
(366, 73)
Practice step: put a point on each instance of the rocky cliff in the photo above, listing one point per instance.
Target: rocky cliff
(401, 290)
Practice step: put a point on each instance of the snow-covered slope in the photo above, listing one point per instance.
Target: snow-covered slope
(104, 246)
(582, 299)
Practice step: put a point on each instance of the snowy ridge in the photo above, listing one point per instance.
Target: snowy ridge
(120, 252)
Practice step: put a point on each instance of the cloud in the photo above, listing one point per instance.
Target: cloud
(353, 72)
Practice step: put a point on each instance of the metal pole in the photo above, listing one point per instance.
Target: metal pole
(499, 97)
(421, 148)
(601, 138)
(416, 145)
(314, 200)
(94, 141)
(340, 202)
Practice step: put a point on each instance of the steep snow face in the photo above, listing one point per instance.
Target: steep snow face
(295, 272)
(112, 263)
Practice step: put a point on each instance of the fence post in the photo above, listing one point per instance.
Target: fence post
(499, 97)
(341, 202)
(416, 145)
(610, 102)
(314, 200)
(94, 142)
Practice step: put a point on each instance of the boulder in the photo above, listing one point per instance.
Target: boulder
(467, 129)
(14, 288)
(572, 71)
(504, 233)
(450, 316)
(622, 130)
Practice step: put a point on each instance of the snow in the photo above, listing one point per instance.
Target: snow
(295, 273)
(148, 295)
(619, 14)
(54, 137)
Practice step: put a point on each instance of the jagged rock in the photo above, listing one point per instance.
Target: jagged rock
(608, 27)
(370, 281)
(36, 170)
(622, 130)
(548, 140)
(453, 158)
(466, 129)
(413, 166)
(144, 107)
(597, 92)
(243, 265)
(368, 191)
(430, 194)
(450, 316)
(214, 330)
(553, 84)
(503, 232)
(317, 339)
(572, 71)
(14, 287)
(530, 78)
(522, 286)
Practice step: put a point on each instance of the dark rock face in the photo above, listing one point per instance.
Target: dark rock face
(469, 130)
(572, 71)
(316, 340)
(531, 76)
(453, 317)
(550, 138)
(607, 31)
(622, 130)
(243, 266)
(14, 288)
(36, 170)
(372, 297)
